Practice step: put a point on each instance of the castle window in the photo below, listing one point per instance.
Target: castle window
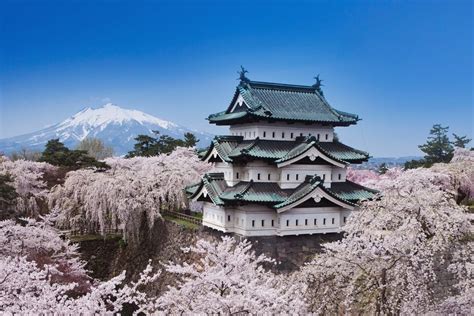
(269, 176)
(253, 223)
(253, 134)
(274, 221)
(288, 177)
(297, 177)
(258, 176)
(332, 222)
(324, 221)
(228, 218)
(324, 177)
(263, 222)
(306, 222)
(345, 218)
(339, 176)
(327, 136)
(236, 175)
(287, 222)
(318, 136)
(264, 134)
(282, 135)
(301, 134)
(315, 221)
(291, 135)
(296, 222)
(273, 134)
(309, 134)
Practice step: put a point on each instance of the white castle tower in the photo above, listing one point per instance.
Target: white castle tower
(281, 171)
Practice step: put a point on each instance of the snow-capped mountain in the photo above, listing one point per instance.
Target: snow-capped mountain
(114, 125)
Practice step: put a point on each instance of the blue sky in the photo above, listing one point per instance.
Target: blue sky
(400, 65)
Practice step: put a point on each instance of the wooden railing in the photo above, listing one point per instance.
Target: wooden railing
(78, 232)
(188, 218)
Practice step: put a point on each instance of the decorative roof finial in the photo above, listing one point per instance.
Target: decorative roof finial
(242, 73)
(318, 85)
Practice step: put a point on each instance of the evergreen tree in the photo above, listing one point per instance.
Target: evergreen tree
(382, 168)
(8, 193)
(57, 154)
(147, 146)
(460, 141)
(437, 148)
(190, 140)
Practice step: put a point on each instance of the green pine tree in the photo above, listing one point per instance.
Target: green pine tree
(8, 195)
(460, 141)
(437, 148)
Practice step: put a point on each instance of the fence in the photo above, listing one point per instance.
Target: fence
(188, 218)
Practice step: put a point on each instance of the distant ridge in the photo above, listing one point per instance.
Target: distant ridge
(114, 125)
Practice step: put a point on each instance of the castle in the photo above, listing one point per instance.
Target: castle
(282, 170)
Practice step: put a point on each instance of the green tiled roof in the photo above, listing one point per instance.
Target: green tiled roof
(302, 190)
(233, 148)
(258, 192)
(351, 191)
(270, 193)
(283, 102)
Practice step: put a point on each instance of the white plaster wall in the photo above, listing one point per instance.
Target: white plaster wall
(247, 220)
(288, 177)
(282, 131)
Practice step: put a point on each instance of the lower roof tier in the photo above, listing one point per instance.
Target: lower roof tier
(234, 149)
(214, 188)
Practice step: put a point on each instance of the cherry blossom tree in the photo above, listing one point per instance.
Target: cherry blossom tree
(29, 184)
(387, 262)
(41, 273)
(128, 195)
(228, 278)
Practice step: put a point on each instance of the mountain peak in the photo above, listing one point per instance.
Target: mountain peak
(115, 125)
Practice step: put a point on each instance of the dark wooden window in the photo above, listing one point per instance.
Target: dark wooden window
(291, 135)
(324, 221)
(237, 175)
(315, 221)
(296, 177)
(228, 218)
(327, 136)
(253, 223)
(282, 135)
(274, 221)
(273, 134)
(258, 176)
(269, 176)
(306, 222)
(339, 176)
(296, 222)
(287, 222)
(288, 177)
(263, 222)
(264, 134)
(332, 222)
(345, 218)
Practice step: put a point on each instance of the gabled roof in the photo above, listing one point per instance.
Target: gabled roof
(235, 148)
(281, 102)
(270, 193)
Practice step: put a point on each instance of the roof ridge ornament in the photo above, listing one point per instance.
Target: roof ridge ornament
(242, 73)
(318, 85)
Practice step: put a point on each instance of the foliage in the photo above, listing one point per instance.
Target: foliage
(28, 183)
(95, 148)
(438, 147)
(387, 262)
(228, 279)
(8, 193)
(148, 146)
(460, 141)
(25, 154)
(382, 168)
(57, 154)
(41, 273)
(128, 195)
